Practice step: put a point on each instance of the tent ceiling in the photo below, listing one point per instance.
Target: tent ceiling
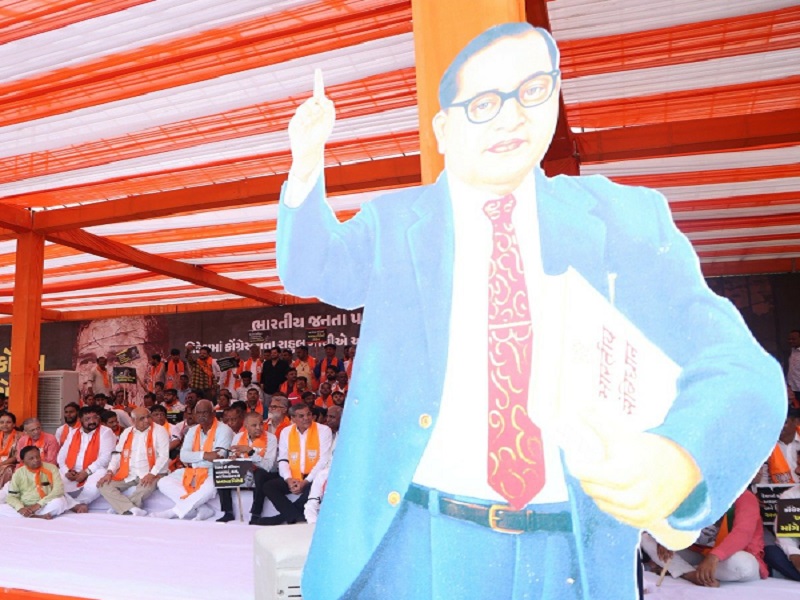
(153, 132)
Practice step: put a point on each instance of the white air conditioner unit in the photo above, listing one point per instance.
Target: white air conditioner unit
(56, 390)
(280, 554)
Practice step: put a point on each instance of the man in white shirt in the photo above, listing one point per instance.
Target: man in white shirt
(84, 457)
(140, 458)
(241, 392)
(70, 422)
(259, 446)
(193, 487)
(793, 368)
(782, 465)
(311, 511)
(304, 450)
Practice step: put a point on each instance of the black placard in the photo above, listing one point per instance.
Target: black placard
(227, 363)
(123, 374)
(788, 523)
(231, 473)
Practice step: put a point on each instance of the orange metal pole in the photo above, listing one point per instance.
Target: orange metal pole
(26, 325)
(441, 29)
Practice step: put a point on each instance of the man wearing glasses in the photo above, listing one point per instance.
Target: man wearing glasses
(467, 487)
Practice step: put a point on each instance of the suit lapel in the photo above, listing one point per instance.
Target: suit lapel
(571, 235)
(432, 247)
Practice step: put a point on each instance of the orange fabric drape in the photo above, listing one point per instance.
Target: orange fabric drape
(125, 459)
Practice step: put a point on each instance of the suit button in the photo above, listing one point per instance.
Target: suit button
(425, 420)
(394, 498)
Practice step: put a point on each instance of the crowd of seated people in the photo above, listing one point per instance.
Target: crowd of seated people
(267, 409)
(282, 412)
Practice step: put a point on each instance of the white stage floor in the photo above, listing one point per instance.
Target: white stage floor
(111, 557)
(678, 589)
(128, 558)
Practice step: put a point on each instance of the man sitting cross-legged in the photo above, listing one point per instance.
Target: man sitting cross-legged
(84, 457)
(304, 449)
(140, 458)
(36, 489)
(737, 554)
(258, 445)
(191, 488)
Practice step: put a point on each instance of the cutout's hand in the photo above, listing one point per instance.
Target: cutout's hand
(310, 129)
(639, 478)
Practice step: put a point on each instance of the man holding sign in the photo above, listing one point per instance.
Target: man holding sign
(487, 494)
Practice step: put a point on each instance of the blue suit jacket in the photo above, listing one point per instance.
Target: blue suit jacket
(395, 258)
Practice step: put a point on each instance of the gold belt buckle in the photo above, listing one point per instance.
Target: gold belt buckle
(494, 519)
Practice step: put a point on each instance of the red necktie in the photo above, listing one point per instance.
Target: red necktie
(516, 457)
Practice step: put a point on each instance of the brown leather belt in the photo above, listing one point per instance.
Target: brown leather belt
(499, 517)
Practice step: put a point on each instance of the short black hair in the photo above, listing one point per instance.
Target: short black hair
(95, 410)
(158, 408)
(448, 84)
(74, 405)
(331, 346)
(239, 405)
(26, 449)
(155, 356)
(175, 352)
(206, 348)
(106, 415)
(11, 415)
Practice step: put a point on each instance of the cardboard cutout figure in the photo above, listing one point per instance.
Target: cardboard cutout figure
(562, 377)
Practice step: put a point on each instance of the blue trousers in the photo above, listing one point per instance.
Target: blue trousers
(431, 556)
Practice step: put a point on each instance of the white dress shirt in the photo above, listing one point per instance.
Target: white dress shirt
(222, 443)
(793, 372)
(139, 465)
(108, 440)
(325, 441)
(264, 458)
(455, 459)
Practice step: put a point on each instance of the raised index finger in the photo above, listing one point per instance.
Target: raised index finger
(319, 87)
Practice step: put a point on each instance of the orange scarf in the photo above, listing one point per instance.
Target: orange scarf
(125, 459)
(92, 450)
(65, 432)
(174, 373)
(153, 371)
(779, 470)
(104, 373)
(260, 443)
(193, 478)
(312, 450)
(284, 389)
(39, 482)
(8, 447)
(249, 365)
(725, 527)
(237, 383)
(324, 403)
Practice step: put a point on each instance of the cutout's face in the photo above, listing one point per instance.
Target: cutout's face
(497, 155)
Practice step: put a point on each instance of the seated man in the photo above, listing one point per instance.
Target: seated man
(84, 457)
(70, 422)
(325, 400)
(34, 435)
(192, 487)
(782, 465)
(304, 449)
(224, 399)
(277, 417)
(242, 392)
(233, 417)
(174, 408)
(737, 554)
(784, 556)
(315, 495)
(259, 446)
(110, 420)
(140, 458)
(253, 401)
(9, 436)
(36, 490)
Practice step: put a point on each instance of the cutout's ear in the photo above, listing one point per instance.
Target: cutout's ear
(439, 122)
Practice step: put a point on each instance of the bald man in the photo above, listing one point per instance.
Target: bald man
(193, 487)
(140, 459)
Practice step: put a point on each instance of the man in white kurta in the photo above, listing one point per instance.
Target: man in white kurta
(84, 457)
(140, 458)
(192, 488)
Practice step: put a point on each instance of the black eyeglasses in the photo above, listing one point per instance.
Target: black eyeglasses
(535, 90)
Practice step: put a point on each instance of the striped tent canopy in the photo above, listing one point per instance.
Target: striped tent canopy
(146, 139)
